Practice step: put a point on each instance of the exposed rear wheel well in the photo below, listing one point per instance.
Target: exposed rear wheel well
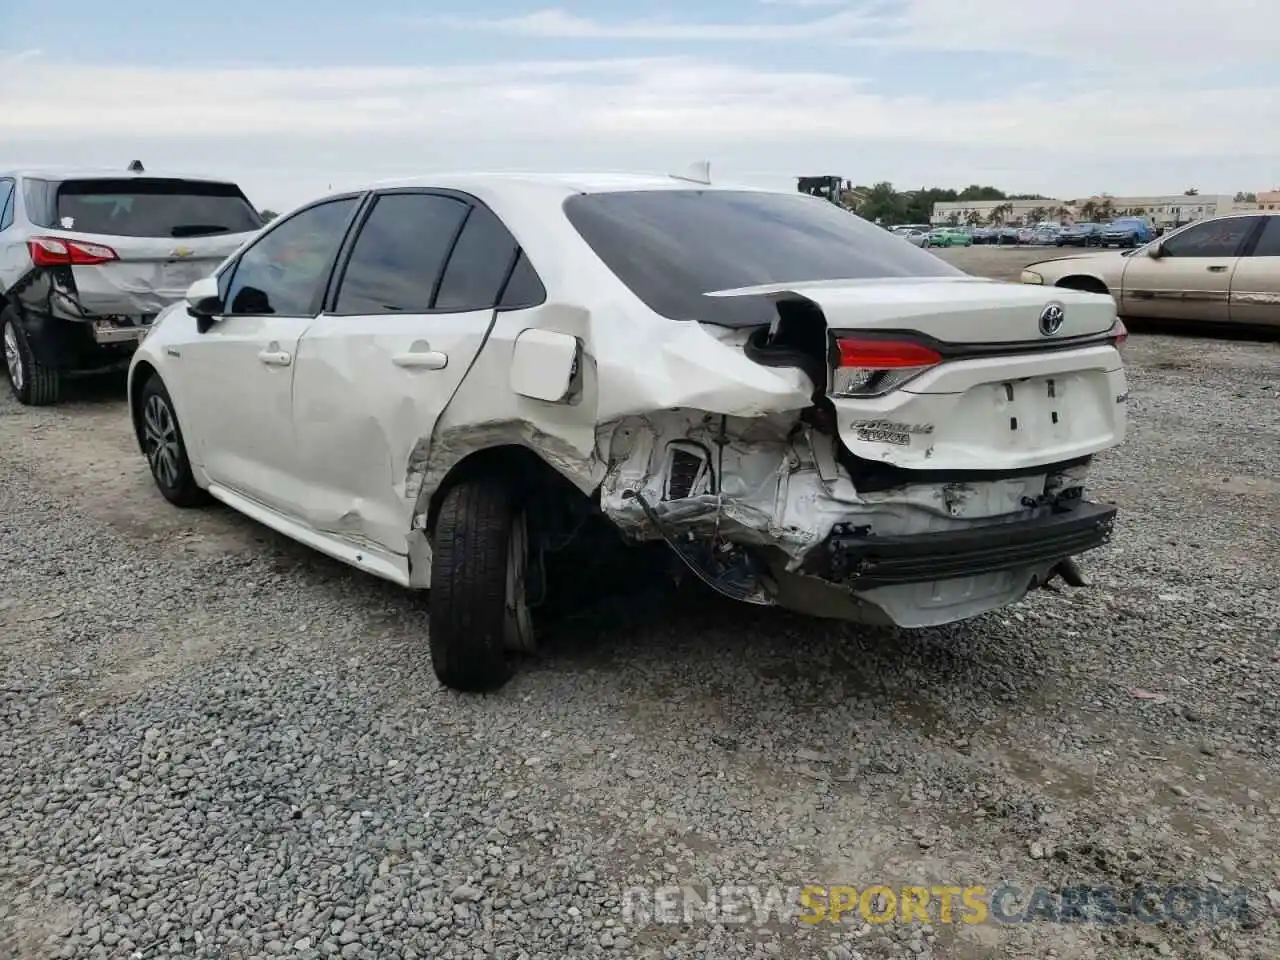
(523, 469)
(575, 552)
(1087, 284)
(140, 375)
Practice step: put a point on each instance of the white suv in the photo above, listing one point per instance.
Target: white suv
(88, 258)
(488, 385)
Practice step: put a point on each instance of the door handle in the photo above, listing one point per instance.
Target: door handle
(421, 360)
(275, 358)
(1217, 268)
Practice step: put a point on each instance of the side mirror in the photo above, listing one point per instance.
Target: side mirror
(1156, 250)
(203, 299)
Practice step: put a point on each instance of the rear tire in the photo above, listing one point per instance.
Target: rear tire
(165, 448)
(478, 607)
(32, 384)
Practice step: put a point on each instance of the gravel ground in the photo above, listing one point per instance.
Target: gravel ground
(218, 744)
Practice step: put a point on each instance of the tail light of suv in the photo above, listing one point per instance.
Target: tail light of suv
(60, 252)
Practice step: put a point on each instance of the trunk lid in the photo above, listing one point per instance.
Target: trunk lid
(148, 274)
(1000, 399)
(967, 311)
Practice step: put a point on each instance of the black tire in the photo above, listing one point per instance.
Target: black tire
(165, 448)
(471, 619)
(34, 385)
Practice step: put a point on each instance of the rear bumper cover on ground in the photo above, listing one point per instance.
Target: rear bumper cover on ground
(864, 562)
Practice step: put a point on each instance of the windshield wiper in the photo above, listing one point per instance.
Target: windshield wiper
(198, 229)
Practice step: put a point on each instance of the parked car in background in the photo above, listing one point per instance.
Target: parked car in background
(466, 384)
(1226, 269)
(1026, 235)
(1045, 235)
(88, 259)
(983, 235)
(1127, 232)
(1081, 235)
(1007, 235)
(917, 238)
(949, 237)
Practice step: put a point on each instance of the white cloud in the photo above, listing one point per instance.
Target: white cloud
(555, 22)
(1177, 33)
(804, 4)
(1182, 34)
(294, 131)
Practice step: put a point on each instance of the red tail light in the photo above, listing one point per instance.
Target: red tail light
(1119, 333)
(59, 252)
(870, 368)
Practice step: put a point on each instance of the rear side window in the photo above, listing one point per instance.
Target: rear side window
(397, 258)
(672, 247)
(524, 288)
(152, 208)
(6, 204)
(1269, 242)
(478, 265)
(1211, 238)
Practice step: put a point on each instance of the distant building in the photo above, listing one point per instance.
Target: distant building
(1268, 200)
(966, 211)
(1165, 210)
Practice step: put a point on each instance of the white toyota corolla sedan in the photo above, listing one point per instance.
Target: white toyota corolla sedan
(492, 385)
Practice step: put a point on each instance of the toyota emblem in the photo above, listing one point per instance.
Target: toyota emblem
(1051, 318)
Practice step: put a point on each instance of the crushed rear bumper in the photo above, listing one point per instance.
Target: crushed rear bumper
(862, 562)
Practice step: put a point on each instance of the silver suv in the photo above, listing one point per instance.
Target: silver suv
(88, 258)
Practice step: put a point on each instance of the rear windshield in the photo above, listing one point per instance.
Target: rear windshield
(671, 247)
(153, 208)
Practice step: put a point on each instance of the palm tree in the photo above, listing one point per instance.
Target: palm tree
(1106, 209)
(1037, 214)
(953, 219)
(974, 218)
(1000, 213)
(1088, 210)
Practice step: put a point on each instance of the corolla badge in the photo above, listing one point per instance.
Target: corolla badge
(1051, 318)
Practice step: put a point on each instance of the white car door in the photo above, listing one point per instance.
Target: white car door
(413, 303)
(237, 374)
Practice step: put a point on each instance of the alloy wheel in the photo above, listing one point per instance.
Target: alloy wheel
(13, 355)
(160, 437)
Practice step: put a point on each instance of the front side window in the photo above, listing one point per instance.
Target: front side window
(399, 254)
(1211, 238)
(283, 272)
(673, 247)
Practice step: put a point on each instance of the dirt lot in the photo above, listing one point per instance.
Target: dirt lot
(218, 744)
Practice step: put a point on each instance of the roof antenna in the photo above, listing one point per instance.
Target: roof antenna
(699, 172)
(136, 167)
